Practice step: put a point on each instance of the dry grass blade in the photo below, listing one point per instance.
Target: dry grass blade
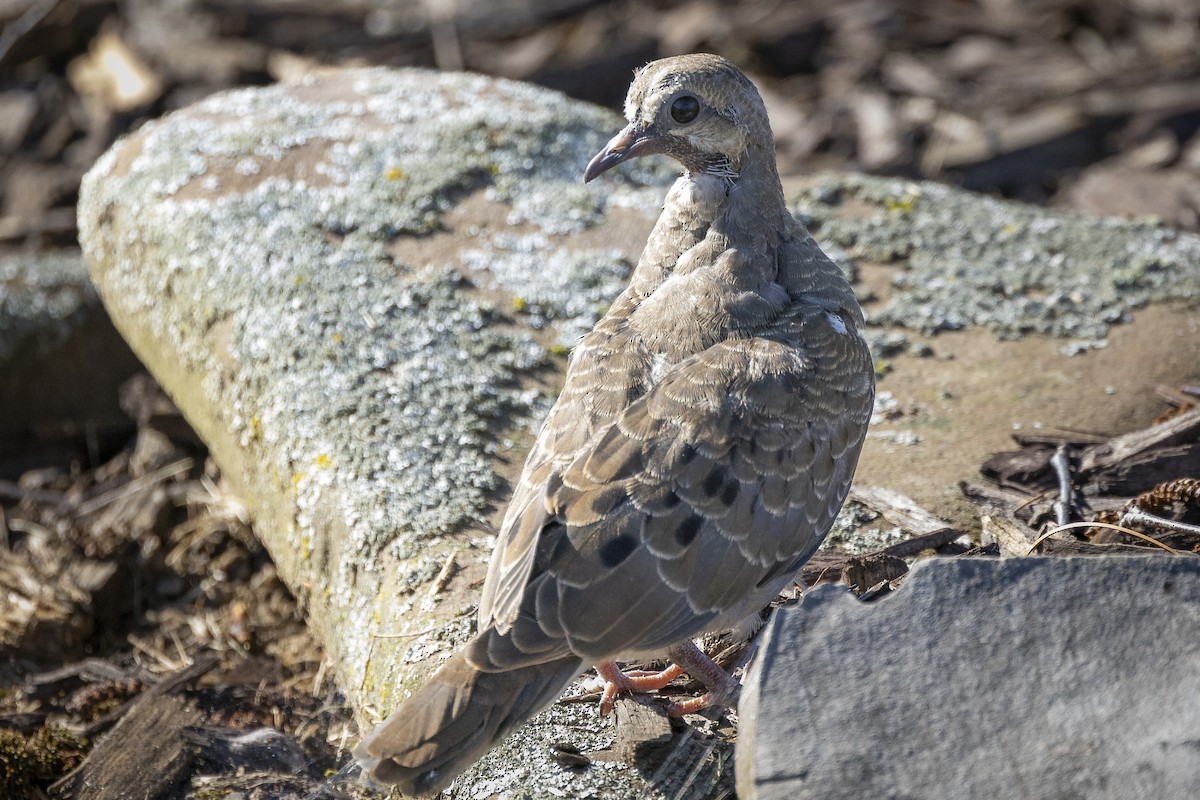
(136, 485)
(1129, 531)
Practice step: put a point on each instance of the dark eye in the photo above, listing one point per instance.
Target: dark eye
(685, 108)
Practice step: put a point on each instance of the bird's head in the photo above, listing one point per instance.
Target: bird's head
(699, 109)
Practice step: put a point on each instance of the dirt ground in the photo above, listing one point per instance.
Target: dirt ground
(124, 566)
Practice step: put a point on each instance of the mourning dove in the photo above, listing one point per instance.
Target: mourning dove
(704, 441)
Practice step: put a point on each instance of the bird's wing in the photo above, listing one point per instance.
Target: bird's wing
(606, 370)
(705, 493)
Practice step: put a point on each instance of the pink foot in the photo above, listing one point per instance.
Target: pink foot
(617, 681)
(722, 687)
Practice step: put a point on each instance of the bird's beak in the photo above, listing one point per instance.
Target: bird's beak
(631, 142)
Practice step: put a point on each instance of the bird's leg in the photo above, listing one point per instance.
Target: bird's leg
(722, 687)
(616, 681)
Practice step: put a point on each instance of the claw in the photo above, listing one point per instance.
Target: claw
(722, 687)
(617, 681)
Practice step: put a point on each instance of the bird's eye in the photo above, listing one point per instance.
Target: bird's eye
(684, 109)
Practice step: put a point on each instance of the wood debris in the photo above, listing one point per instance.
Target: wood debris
(1137, 491)
(146, 645)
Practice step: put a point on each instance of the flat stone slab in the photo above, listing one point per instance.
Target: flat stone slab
(991, 316)
(1024, 677)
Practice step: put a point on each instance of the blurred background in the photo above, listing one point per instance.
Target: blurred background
(1091, 104)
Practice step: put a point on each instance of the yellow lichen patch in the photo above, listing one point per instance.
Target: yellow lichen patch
(395, 174)
(902, 204)
(559, 349)
(519, 304)
(337, 338)
(324, 461)
(368, 679)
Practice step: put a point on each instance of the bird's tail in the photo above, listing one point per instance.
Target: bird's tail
(456, 717)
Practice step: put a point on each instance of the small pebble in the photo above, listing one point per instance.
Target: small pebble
(568, 755)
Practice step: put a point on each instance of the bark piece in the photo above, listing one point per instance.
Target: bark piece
(145, 756)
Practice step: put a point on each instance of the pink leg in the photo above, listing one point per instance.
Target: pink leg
(722, 687)
(617, 681)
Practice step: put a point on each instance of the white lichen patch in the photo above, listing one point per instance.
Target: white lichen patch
(857, 530)
(903, 438)
(1013, 268)
(552, 284)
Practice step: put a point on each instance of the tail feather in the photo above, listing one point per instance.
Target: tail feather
(455, 718)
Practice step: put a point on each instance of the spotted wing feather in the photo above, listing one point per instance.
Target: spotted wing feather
(700, 498)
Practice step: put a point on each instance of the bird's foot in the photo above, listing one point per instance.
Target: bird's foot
(722, 687)
(616, 681)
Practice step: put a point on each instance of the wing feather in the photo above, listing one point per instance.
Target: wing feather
(696, 501)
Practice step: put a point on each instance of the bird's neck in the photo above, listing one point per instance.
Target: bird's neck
(707, 213)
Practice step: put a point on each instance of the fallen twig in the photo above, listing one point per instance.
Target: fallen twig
(898, 509)
(443, 576)
(136, 485)
(1137, 515)
(926, 541)
(23, 24)
(166, 685)
(1182, 428)
(1062, 470)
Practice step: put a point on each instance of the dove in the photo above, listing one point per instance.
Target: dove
(704, 441)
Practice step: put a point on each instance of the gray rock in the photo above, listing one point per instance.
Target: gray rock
(61, 360)
(1025, 677)
(1009, 267)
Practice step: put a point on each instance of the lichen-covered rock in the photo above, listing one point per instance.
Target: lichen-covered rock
(1012, 268)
